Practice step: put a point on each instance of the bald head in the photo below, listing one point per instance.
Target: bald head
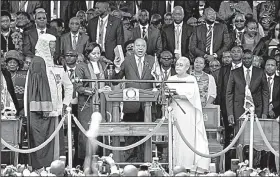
(130, 170)
(178, 170)
(178, 14)
(102, 8)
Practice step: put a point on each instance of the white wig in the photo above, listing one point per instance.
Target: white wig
(43, 48)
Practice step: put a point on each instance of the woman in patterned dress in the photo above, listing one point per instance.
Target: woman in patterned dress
(206, 82)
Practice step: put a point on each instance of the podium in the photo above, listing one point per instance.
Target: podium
(117, 128)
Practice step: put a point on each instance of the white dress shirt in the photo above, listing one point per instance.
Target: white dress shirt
(72, 38)
(235, 66)
(74, 100)
(137, 61)
(180, 26)
(141, 30)
(245, 72)
(25, 5)
(271, 84)
(105, 22)
(211, 46)
(39, 31)
(171, 2)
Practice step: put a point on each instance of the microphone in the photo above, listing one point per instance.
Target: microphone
(105, 60)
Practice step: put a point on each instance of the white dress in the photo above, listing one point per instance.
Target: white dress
(191, 123)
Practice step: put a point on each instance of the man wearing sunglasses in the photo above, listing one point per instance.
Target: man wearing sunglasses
(237, 34)
(31, 36)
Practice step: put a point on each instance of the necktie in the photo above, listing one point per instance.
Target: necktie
(269, 85)
(74, 42)
(208, 39)
(140, 68)
(144, 35)
(165, 75)
(177, 33)
(168, 8)
(248, 78)
(100, 40)
(71, 76)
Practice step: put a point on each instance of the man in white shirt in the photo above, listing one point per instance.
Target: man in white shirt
(105, 30)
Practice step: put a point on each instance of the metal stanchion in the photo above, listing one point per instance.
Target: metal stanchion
(69, 135)
(170, 141)
(251, 148)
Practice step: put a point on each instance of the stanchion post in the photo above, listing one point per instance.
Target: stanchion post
(170, 141)
(69, 127)
(251, 150)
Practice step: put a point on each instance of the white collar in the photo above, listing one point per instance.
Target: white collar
(141, 27)
(207, 25)
(272, 77)
(6, 33)
(237, 31)
(237, 65)
(180, 24)
(39, 30)
(105, 18)
(245, 69)
(168, 71)
(72, 34)
(68, 68)
(136, 58)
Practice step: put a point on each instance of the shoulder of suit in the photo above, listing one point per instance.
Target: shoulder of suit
(149, 57)
(65, 35)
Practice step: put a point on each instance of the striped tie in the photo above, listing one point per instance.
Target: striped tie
(208, 39)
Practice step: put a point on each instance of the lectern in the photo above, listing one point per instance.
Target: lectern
(118, 128)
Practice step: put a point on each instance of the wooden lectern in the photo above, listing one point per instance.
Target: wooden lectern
(118, 128)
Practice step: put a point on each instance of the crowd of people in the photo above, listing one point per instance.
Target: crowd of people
(220, 47)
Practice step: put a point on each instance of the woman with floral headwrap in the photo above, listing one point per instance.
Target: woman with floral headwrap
(44, 95)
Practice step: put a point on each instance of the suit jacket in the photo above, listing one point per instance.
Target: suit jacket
(130, 72)
(276, 96)
(154, 44)
(11, 46)
(221, 40)
(30, 39)
(31, 6)
(114, 34)
(66, 43)
(168, 38)
(235, 93)
(233, 38)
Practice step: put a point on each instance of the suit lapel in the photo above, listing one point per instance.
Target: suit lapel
(109, 27)
(253, 77)
(172, 32)
(138, 32)
(94, 29)
(145, 67)
(134, 66)
(150, 32)
(80, 38)
(215, 35)
(241, 73)
(275, 87)
(203, 34)
(34, 35)
(69, 40)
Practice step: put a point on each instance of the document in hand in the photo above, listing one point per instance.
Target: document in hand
(119, 54)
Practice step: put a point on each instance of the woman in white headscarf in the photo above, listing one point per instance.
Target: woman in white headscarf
(192, 124)
(43, 100)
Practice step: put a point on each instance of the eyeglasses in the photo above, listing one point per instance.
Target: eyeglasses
(212, 66)
(239, 21)
(41, 18)
(71, 55)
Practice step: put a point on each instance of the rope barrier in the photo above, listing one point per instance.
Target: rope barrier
(265, 139)
(125, 147)
(216, 154)
(27, 151)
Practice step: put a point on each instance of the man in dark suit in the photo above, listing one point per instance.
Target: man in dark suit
(149, 33)
(106, 30)
(175, 37)
(222, 80)
(237, 34)
(256, 80)
(74, 40)
(136, 67)
(210, 40)
(274, 89)
(26, 6)
(6, 39)
(30, 37)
